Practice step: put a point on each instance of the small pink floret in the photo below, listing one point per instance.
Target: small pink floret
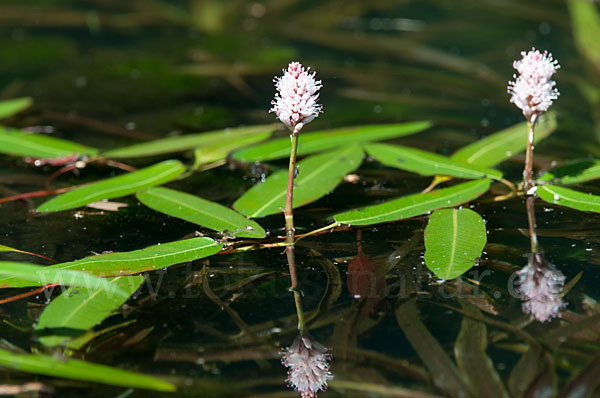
(533, 89)
(295, 103)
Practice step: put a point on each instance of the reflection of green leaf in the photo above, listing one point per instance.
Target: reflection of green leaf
(443, 372)
(115, 187)
(79, 370)
(585, 21)
(426, 163)
(81, 309)
(573, 172)
(323, 140)
(188, 141)
(219, 150)
(317, 176)
(133, 262)
(454, 239)
(200, 211)
(15, 142)
(472, 359)
(493, 149)
(13, 106)
(569, 198)
(415, 205)
(35, 275)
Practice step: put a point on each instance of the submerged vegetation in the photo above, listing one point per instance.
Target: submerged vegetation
(419, 261)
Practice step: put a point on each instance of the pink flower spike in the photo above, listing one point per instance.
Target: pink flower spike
(295, 103)
(308, 363)
(533, 90)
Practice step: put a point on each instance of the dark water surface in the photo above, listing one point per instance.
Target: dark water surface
(110, 73)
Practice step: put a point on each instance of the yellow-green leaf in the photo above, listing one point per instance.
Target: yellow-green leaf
(454, 240)
(569, 198)
(317, 176)
(426, 163)
(79, 309)
(115, 187)
(200, 211)
(415, 205)
(323, 140)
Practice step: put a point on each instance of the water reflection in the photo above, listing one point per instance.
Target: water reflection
(540, 284)
(308, 363)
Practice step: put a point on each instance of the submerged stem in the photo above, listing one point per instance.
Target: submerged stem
(532, 226)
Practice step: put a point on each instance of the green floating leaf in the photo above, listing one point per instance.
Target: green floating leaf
(415, 205)
(73, 369)
(200, 211)
(454, 239)
(35, 275)
(569, 198)
(189, 141)
(317, 176)
(115, 187)
(426, 163)
(491, 150)
(573, 172)
(13, 106)
(323, 140)
(15, 142)
(77, 310)
(219, 150)
(585, 20)
(133, 262)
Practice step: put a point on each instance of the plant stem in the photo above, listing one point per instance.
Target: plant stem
(528, 171)
(289, 232)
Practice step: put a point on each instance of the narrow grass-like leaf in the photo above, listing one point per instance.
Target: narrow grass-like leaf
(13, 106)
(574, 172)
(317, 176)
(200, 211)
(35, 275)
(415, 205)
(219, 150)
(327, 139)
(585, 22)
(77, 310)
(569, 198)
(133, 262)
(472, 359)
(74, 369)
(189, 141)
(15, 142)
(454, 239)
(115, 187)
(426, 163)
(491, 150)
(443, 371)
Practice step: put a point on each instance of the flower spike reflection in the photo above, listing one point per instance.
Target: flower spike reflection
(308, 363)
